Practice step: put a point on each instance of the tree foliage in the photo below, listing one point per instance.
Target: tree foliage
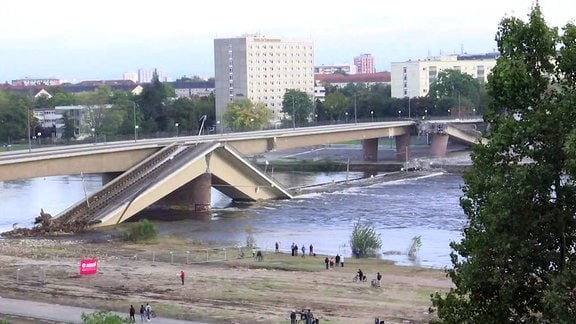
(516, 261)
(243, 115)
(298, 105)
(458, 92)
(143, 231)
(365, 239)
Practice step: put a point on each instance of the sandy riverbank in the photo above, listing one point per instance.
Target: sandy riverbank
(220, 291)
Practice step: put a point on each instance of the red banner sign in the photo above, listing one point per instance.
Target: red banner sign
(88, 266)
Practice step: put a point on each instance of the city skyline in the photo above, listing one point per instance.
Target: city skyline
(74, 42)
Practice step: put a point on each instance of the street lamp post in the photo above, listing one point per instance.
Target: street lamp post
(399, 114)
(39, 138)
(316, 119)
(372, 115)
(355, 118)
(176, 128)
(426, 113)
(293, 114)
(29, 137)
(135, 126)
(346, 113)
(93, 135)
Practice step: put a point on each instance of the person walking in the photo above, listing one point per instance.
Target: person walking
(182, 277)
(303, 250)
(342, 261)
(292, 247)
(132, 313)
(311, 250)
(379, 278)
(326, 261)
(337, 260)
(277, 248)
(148, 311)
(142, 311)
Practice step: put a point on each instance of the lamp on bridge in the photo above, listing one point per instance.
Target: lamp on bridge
(176, 128)
(135, 126)
(372, 115)
(93, 135)
(39, 140)
(399, 112)
(346, 113)
(425, 113)
(316, 119)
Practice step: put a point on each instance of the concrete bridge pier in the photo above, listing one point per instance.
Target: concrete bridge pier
(370, 149)
(439, 145)
(195, 196)
(403, 147)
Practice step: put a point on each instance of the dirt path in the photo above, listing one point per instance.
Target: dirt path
(225, 291)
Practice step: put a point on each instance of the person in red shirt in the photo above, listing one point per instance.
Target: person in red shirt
(182, 276)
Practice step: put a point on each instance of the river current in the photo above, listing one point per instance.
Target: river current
(400, 210)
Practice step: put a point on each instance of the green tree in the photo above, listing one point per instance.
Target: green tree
(335, 105)
(243, 115)
(457, 91)
(69, 129)
(365, 239)
(516, 260)
(152, 103)
(103, 317)
(13, 119)
(298, 105)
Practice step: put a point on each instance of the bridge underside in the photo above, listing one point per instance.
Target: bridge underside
(185, 180)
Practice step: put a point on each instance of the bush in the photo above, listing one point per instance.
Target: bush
(414, 247)
(365, 239)
(143, 231)
(103, 317)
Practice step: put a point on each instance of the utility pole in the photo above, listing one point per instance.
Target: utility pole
(355, 118)
(293, 114)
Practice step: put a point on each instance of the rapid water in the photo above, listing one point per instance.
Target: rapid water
(400, 210)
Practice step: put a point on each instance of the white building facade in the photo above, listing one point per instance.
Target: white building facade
(261, 69)
(413, 78)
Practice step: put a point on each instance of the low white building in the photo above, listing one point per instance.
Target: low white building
(413, 78)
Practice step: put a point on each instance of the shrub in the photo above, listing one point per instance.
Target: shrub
(103, 317)
(414, 247)
(143, 231)
(365, 239)
(250, 240)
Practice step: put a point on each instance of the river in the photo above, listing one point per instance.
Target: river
(400, 210)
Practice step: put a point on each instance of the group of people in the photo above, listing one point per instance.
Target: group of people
(146, 313)
(334, 261)
(294, 249)
(360, 276)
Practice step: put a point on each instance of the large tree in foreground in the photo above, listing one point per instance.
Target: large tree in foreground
(516, 260)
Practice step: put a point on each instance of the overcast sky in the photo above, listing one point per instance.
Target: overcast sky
(90, 40)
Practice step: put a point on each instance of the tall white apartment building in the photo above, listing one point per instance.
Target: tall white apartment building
(261, 68)
(413, 78)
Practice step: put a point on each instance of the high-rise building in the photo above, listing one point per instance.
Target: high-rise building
(132, 76)
(261, 69)
(145, 75)
(365, 63)
(413, 78)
